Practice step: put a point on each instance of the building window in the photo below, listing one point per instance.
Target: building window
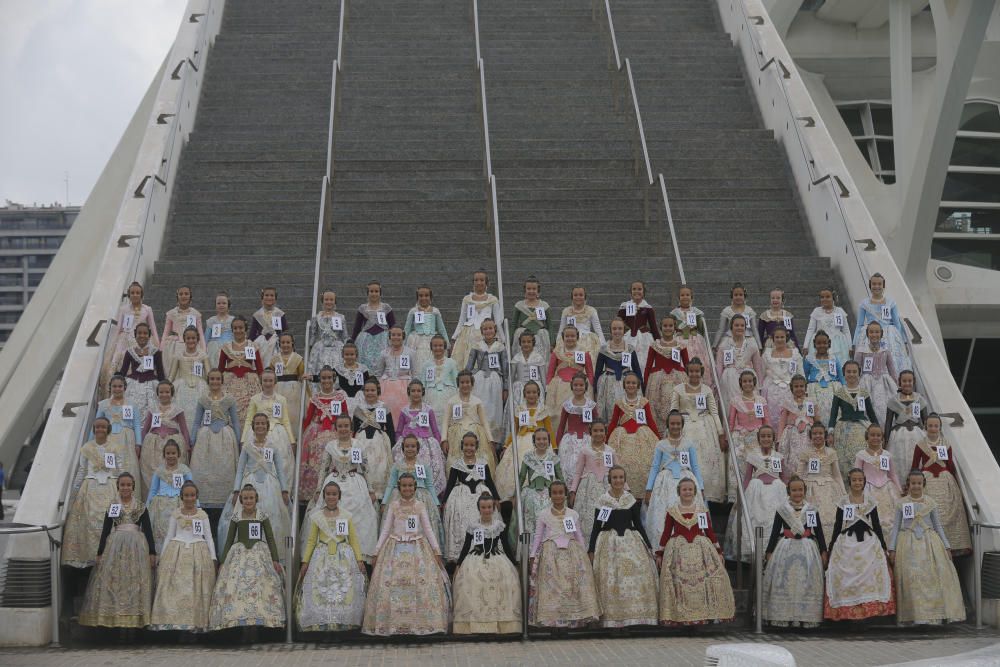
(870, 125)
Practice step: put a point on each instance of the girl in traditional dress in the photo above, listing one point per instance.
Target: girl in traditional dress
(318, 429)
(122, 339)
(289, 370)
(640, 321)
(585, 319)
(691, 325)
(818, 468)
(531, 415)
(632, 431)
(142, 367)
(528, 365)
(540, 468)
(178, 320)
(477, 306)
(162, 423)
(936, 459)
(764, 489)
(165, 491)
(423, 323)
(781, 362)
(241, 365)
(850, 414)
(371, 326)
(878, 370)
(881, 479)
(666, 368)
(533, 315)
(440, 377)
(216, 450)
(904, 416)
(774, 317)
(126, 424)
(218, 328)
(349, 376)
(466, 414)
(487, 585)
(696, 402)
(488, 364)
(738, 306)
(795, 556)
(747, 414)
(590, 479)
(395, 369)
(797, 415)
(823, 375)
(737, 353)
(577, 413)
(185, 578)
(120, 590)
(373, 426)
(468, 478)
(676, 458)
(267, 322)
(409, 592)
(881, 308)
(280, 431)
(329, 333)
(102, 460)
(832, 319)
(248, 590)
(419, 420)
(858, 582)
(331, 592)
(561, 590)
(188, 369)
(410, 462)
(624, 569)
(615, 358)
(566, 363)
(927, 588)
(261, 466)
(694, 585)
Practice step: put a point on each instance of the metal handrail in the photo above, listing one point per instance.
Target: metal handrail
(638, 120)
(487, 152)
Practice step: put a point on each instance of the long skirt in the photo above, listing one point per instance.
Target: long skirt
(694, 585)
(848, 440)
(897, 347)
(242, 389)
(409, 593)
(248, 591)
(431, 456)
(394, 396)
(421, 346)
(663, 497)
(268, 348)
(570, 448)
(378, 451)
(185, 579)
(120, 591)
(270, 503)
(460, 509)
(160, 508)
(557, 392)
(507, 468)
(608, 391)
(323, 354)
(743, 443)
(533, 502)
(292, 391)
(465, 342)
(824, 494)
(489, 389)
(822, 397)
(634, 452)
(213, 465)
(729, 383)
(775, 395)
(433, 510)
(702, 432)
(927, 588)
(278, 440)
(763, 501)
(887, 499)
(793, 442)
(186, 398)
(858, 583)
(130, 461)
(355, 499)
(86, 518)
(438, 396)
(151, 455)
(588, 495)
(626, 578)
(561, 590)
(881, 388)
(902, 443)
(487, 596)
(370, 347)
(456, 430)
(793, 585)
(141, 396)
(944, 490)
(641, 343)
(314, 441)
(331, 595)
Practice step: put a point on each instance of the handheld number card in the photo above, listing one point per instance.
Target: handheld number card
(869, 364)
(380, 415)
(630, 309)
(279, 368)
(336, 408)
(115, 510)
(684, 458)
(640, 416)
(423, 419)
(571, 321)
(198, 527)
(268, 454)
(793, 367)
(883, 462)
(588, 415)
(478, 537)
(810, 518)
(758, 410)
(523, 418)
(626, 360)
(580, 357)
(206, 419)
(703, 520)
(276, 410)
(276, 323)
(787, 321)
(419, 317)
(254, 532)
(493, 360)
(420, 470)
(550, 469)
(341, 528)
(728, 358)
(609, 459)
(337, 323)
(155, 420)
(404, 362)
(915, 410)
(198, 369)
(470, 315)
(128, 413)
(111, 462)
(774, 465)
(675, 355)
(810, 409)
(456, 411)
(412, 523)
(429, 374)
(701, 401)
(191, 321)
(216, 331)
(831, 367)
(533, 373)
(128, 322)
(838, 320)
(359, 377)
(814, 466)
(692, 320)
(177, 480)
(147, 362)
(909, 511)
(942, 452)
(603, 514)
(569, 524)
(886, 313)
(481, 470)
(861, 403)
(540, 314)
(850, 512)
(250, 353)
(381, 319)
(356, 455)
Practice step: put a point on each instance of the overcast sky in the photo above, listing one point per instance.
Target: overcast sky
(72, 73)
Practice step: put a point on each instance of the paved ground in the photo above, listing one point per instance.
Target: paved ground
(842, 649)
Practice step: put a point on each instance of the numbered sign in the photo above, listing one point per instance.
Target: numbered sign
(603, 514)
(191, 321)
(156, 420)
(115, 510)
(420, 470)
(128, 413)
(198, 527)
(250, 353)
(430, 374)
(380, 415)
(810, 409)
(480, 470)
(883, 462)
(588, 415)
(838, 320)
(609, 459)
(148, 363)
(868, 365)
(942, 452)
(412, 523)
(178, 480)
(493, 360)
(886, 313)
(341, 529)
(404, 362)
(775, 465)
(685, 459)
(381, 319)
(793, 367)
(832, 367)
(728, 358)
(810, 518)
(279, 369)
(128, 322)
(523, 418)
(533, 373)
(423, 419)
(111, 462)
(640, 416)
(254, 532)
(630, 309)
(571, 321)
(276, 410)
(198, 369)
(915, 410)
(675, 355)
(758, 410)
(814, 466)
(359, 377)
(787, 322)
(580, 357)
(703, 520)
(850, 512)
(216, 331)
(540, 314)
(336, 408)
(569, 524)
(206, 418)
(356, 456)
(268, 454)
(478, 537)
(882, 345)
(470, 315)
(550, 469)
(456, 411)
(749, 319)
(337, 323)
(861, 403)
(419, 317)
(626, 360)
(692, 320)
(276, 322)
(701, 401)
(909, 511)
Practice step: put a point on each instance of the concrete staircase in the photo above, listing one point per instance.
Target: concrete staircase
(733, 203)
(247, 200)
(571, 209)
(408, 186)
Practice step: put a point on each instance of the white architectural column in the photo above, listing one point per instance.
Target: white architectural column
(901, 68)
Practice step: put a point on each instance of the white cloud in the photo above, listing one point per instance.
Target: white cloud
(71, 75)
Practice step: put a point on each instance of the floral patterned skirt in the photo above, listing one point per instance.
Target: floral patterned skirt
(120, 591)
(185, 578)
(487, 596)
(151, 455)
(848, 440)
(242, 389)
(626, 578)
(82, 533)
(927, 588)
(858, 582)
(461, 508)
(248, 591)
(331, 595)
(160, 508)
(561, 591)
(694, 584)
(314, 441)
(213, 465)
(370, 347)
(570, 448)
(944, 490)
(588, 495)
(409, 593)
(793, 585)
(634, 452)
